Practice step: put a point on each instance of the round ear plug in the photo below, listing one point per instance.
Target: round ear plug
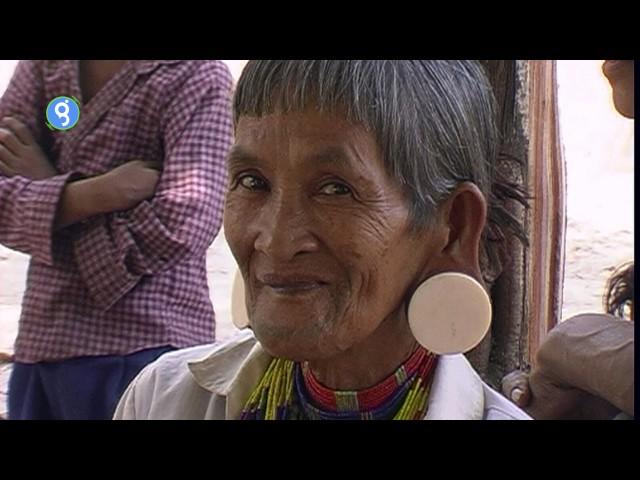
(239, 315)
(449, 313)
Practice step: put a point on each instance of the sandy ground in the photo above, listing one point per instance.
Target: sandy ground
(598, 146)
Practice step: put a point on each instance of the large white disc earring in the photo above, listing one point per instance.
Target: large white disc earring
(449, 313)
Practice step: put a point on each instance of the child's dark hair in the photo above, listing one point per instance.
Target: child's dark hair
(619, 291)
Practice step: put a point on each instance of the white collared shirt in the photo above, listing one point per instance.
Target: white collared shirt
(213, 382)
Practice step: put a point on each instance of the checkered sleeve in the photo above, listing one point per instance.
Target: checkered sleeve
(28, 208)
(185, 215)
(27, 213)
(24, 98)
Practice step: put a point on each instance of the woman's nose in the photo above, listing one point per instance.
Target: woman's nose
(284, 230)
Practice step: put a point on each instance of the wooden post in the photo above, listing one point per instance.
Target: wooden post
(547, 215)
(527, 288)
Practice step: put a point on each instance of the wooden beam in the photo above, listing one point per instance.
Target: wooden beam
(547, 215)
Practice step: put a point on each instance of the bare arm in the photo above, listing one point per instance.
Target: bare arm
(594, 353)
(117, 190)
(584, 369)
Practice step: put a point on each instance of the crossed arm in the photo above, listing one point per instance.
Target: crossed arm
(137, 222)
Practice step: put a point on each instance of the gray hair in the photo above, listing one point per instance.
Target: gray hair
(434, 121)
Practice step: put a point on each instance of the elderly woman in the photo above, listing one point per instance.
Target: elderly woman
(356, 210)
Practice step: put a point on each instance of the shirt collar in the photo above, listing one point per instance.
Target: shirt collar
(457, 392)
(233, 371)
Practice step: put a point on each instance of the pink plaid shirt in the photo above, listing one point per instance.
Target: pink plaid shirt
(126, 281)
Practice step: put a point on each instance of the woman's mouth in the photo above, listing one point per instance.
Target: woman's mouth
(291, 284)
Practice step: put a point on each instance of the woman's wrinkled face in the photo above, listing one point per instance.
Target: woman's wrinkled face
(620, 74)
(320, 232)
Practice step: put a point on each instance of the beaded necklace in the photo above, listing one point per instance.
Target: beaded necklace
(289, 391)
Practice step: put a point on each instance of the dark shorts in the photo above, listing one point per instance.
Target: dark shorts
(84, 388)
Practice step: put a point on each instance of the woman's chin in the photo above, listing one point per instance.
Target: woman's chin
(291, 350)
(286, 337)
(295, 343)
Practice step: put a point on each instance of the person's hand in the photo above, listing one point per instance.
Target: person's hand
(544, 397)
(20, 154)
(129, 184)
(515, 386)
(541, 396)
(6, 357)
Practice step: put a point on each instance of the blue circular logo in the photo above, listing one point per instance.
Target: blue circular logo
(63, 113)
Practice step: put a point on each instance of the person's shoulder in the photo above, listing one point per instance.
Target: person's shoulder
(29, 68)
(176, 362)
(168, 374)
(217, 67)
(175, 365)
(170, 388)
(156, 392)
(204, 73)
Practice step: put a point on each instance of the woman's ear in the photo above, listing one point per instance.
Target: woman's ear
(456, 303)
(464, 214)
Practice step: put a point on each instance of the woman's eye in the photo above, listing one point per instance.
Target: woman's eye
(335, 189)
(251, 182)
